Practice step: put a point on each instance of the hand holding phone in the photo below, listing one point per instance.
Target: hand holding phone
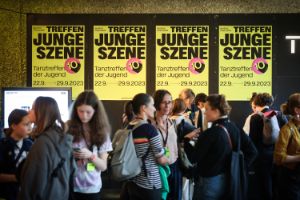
(77, 149)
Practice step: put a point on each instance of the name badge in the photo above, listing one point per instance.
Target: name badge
(90, 167)
(167, 152)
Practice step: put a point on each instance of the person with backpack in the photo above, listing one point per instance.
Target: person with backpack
(91, 131)
(14, 149)
(184, 127)
(49, 166)
(213, 151)
(287, 154)
(262, 185)
(146, 185)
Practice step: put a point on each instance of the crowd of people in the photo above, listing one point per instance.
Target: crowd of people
(64, 160)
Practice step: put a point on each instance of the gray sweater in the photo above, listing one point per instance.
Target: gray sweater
(37, 178)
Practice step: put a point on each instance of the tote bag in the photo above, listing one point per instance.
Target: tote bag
(237, 173)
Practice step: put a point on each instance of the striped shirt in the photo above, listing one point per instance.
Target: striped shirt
(145, 137)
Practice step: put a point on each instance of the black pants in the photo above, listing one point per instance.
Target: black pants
(260, 183)
(131, 191)
(85, 196)
(289, 184)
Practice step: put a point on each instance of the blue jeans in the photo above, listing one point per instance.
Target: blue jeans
(210, 188)
(175, 182)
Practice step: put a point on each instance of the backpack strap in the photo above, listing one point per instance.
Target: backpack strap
(62, 159)
(227, 134)
(229, 139)
(135, 126)
(140, 123)
(54, 173)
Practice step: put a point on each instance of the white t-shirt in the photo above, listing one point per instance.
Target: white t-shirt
(246, 127)
(89, 181)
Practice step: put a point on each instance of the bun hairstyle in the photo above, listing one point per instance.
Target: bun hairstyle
(128, 110)
(15, 117)
(293, 102)
(218, 101)
(263, 99)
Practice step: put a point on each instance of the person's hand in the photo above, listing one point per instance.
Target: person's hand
(187, 115)
(193, 134)
(83, 153)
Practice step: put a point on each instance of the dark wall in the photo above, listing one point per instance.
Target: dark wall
(285, 66)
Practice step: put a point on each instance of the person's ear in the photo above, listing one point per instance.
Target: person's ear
(297, 111)
(13, 126)
(143, 108)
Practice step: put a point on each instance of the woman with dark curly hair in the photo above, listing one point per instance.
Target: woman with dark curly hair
(213, 150)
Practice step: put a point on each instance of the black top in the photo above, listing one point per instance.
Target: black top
(212, 152)
(200, 119)
(9, 163)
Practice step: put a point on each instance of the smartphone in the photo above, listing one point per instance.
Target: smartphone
(76, 149)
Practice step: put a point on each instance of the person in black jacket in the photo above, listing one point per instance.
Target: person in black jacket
(213, 152)
(13, 151)
(261, 182)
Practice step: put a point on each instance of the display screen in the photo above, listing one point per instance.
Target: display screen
(23, 98)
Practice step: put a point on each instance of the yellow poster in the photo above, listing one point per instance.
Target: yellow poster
(245, 61)
(119, 61)
(58, 57)
(182, 58)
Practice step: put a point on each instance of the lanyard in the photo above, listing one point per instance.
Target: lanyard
(167, 133)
